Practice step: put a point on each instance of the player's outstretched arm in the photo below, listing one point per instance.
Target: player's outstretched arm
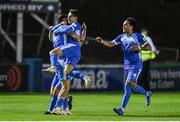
(105, 42)
(50, 36)
(84, 32)
(67, 30)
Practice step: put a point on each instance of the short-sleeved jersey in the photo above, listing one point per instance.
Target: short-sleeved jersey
(71, 50)
(132, 59)
(74, 27)
(60, 38)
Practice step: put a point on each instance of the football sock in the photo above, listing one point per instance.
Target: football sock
(53, 59)
(65, 104)
(59, 102)
(127, 95)
(140, 90)
(77, 74)
(53, 102)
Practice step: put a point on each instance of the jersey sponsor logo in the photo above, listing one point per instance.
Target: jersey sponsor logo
(74, 24)
(128, 39)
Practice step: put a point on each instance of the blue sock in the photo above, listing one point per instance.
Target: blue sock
(140, 90)
(65, 103)
(77, 74)
(53, 59)
(53, 102)
(59, 102)
(127, 95)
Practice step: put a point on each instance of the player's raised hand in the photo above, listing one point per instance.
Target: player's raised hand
(99, 39)
(84, 26)
(50, 27)
(135, 48)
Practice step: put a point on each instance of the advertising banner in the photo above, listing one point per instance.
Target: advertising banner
(13, 77)
(105, 78)
(165, 77)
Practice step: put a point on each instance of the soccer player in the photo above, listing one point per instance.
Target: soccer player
(72, 51)
(132, 43)
(59, 40)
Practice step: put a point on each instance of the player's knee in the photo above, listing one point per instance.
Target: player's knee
(51, 91)
(52, 51)
(56, 91)
(133, 84)
(56, 51)
(66, 86)
(68, 68)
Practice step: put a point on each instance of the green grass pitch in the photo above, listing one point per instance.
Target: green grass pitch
(91, 106)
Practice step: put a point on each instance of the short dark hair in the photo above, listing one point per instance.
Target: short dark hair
(74, 12)
(132, 21)
(60, 17)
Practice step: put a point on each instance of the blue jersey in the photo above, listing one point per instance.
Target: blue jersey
(132, 59)
(60, 38)
(74, 27)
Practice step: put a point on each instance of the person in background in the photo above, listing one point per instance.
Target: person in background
(147, 56)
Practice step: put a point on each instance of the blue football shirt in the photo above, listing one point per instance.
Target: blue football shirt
(132, 59)
(74, 27)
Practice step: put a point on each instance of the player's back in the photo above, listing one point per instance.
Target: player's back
(60, 38)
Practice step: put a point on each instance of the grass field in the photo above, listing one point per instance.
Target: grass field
(91, 106)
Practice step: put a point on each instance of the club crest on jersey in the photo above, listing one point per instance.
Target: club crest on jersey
(134, 75)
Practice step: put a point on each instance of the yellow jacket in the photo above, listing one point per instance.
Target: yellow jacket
(147, 55)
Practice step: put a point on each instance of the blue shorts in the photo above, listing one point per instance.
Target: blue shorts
(72, 52)
(132, 74)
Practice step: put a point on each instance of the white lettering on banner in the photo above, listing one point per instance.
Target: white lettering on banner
(101, 80)
(153, 85)
(20, 7)
(161, 84)
(3, 77)
(100, 83)
(161, 74)
(165, 84)
(13, 7)
(34, 7)
(163, 79)
(173, 74)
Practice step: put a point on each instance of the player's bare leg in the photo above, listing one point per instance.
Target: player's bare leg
(54, 52)
(67, 70)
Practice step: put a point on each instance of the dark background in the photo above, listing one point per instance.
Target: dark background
(103, 18)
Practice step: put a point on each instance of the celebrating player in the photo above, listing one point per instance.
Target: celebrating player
(72, 52)
(131, 43)
(58, 40)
